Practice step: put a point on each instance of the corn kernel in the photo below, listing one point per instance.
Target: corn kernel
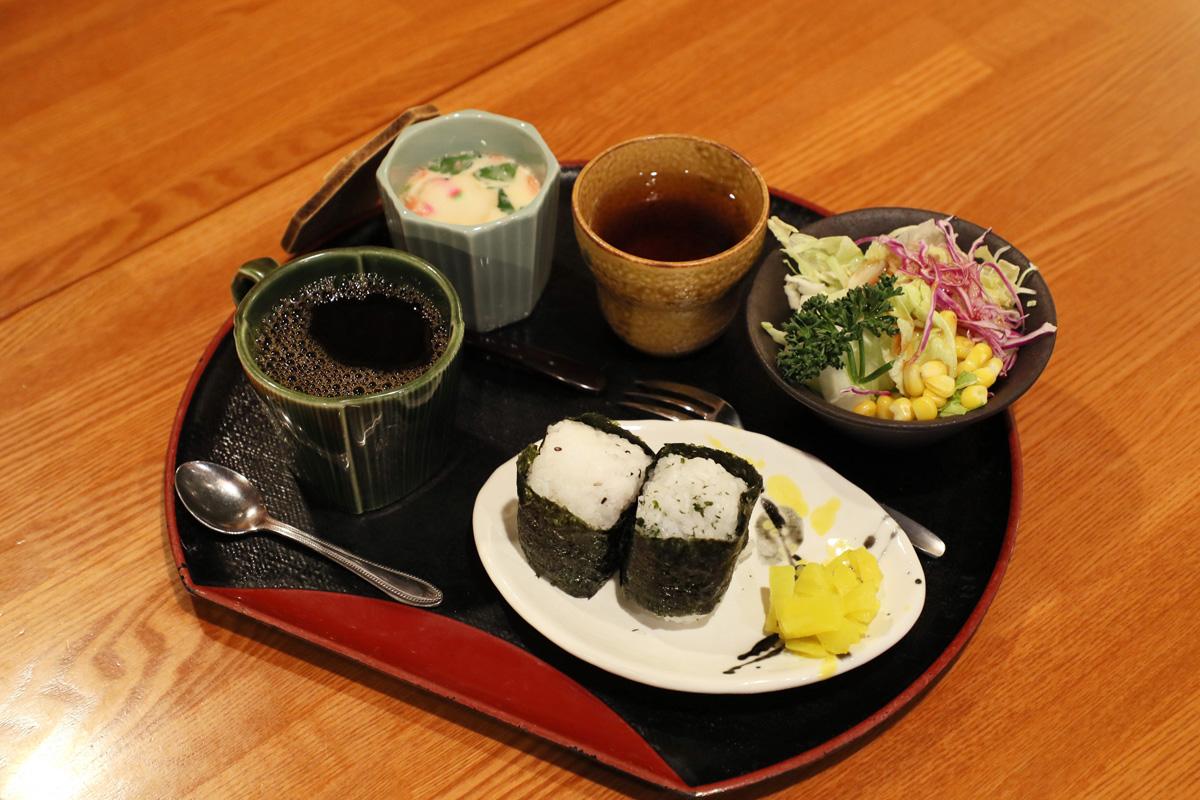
(980, 353)
(924, 409)
(932, 369)
(913, 385)
(962, 347)
(950, 318)
(939, 402)
(974, 396)
(995, 365)
(883, 406)
(866, 408)
(968, 364)
(943, 385)
(902, 409)
(986, 376)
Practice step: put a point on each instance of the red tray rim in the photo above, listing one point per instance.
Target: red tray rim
(605, 736)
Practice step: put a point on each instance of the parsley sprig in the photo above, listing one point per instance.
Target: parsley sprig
(825, 333)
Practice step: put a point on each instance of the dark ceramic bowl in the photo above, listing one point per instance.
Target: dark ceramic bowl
(767, 301)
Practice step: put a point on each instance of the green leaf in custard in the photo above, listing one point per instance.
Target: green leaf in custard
(503, 203)
(452, 165)
(498, 172)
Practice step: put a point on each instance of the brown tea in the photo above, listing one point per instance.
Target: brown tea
(670, 217)
(350, 335)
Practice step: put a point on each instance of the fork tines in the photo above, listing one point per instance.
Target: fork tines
(672, 400)
(685, 391)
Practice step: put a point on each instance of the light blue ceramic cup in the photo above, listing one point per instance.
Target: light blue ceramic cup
(498, 268)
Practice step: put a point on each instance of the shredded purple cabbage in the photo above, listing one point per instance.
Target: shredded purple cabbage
(958, 287)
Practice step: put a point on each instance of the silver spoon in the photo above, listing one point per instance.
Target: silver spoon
(224, 500)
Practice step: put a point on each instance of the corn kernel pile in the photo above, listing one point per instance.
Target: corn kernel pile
(820, 610)
(927, 388)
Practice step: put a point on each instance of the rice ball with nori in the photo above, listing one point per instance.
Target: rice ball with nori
(576, 491)
(691, 522)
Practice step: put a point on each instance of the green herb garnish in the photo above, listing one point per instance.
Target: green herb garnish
(498, 172)
(824, 333)
(503, 203)
(452, 165)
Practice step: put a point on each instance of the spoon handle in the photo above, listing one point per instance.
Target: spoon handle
(395, 584)
(921, 537)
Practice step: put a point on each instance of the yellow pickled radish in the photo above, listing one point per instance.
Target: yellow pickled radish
(865, 407)
(808, 646)
(812, 579)
(914, 385)
(839, 640)
(962, 347)
(974, 396)
(940, 385)
(865, 564)
(923, 408)
(813, 615)
(819, 610)
(844, 578)
(861, 603)
(883, 406)
(902, 410)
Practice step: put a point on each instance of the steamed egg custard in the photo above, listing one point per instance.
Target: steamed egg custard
(470, 188)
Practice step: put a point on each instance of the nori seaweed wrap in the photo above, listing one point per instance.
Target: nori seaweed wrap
(560, 546)
(674, 575)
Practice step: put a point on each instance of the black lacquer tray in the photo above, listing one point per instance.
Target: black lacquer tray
(476, 650)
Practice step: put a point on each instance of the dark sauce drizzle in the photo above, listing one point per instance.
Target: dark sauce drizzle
(773, 513)
(764, 648)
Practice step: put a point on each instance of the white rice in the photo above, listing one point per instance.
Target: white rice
(690, 498)
(593, 474)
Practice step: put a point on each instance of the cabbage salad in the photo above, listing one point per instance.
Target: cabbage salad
(912, 327)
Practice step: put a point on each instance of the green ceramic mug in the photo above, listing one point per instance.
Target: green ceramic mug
(361, 452)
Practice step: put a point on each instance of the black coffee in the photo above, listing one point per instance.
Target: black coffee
(350, 335)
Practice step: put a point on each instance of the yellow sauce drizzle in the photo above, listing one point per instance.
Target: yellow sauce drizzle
(824, 515)
(784, 491)
(828, 667)
(716, 443)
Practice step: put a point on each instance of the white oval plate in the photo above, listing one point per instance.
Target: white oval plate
(609, 632)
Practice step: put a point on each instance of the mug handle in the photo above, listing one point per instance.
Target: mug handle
(249, 274)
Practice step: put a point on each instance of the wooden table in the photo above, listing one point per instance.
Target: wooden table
(149, 148)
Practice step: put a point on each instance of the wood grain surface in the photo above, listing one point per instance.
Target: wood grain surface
(150, 148)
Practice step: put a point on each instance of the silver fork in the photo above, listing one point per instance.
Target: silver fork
(679, 401)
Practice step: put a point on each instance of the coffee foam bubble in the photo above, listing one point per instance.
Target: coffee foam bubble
(287, 352)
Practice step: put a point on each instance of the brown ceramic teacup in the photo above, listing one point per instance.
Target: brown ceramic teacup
(669, 225)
